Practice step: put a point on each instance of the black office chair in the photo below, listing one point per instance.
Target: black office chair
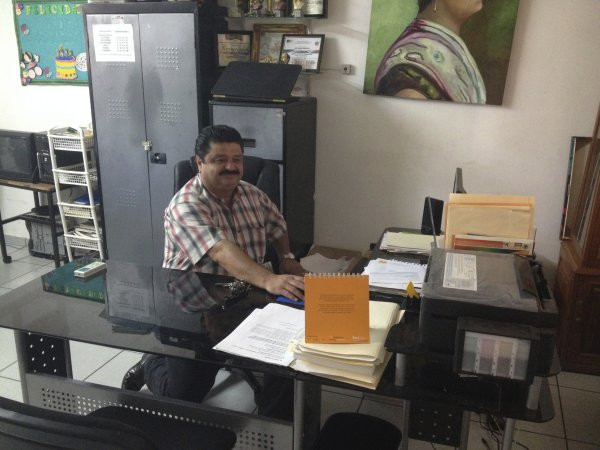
(27, 427)
(357, 431)
(262, 173)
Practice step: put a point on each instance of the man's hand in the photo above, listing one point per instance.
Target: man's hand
(291, 266)
(290, 286)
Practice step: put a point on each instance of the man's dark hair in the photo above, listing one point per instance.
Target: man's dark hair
(219, 134)
(423, 4)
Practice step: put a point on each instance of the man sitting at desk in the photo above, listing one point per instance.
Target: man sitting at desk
(217, 224)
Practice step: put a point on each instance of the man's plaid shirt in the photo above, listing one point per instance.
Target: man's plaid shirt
(195, 220)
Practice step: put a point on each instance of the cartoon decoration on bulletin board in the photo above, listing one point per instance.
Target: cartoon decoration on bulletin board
(50, 41)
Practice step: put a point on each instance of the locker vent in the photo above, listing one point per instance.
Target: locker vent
(126, 197)
(118, 109)
(168, 58)
(171, 112)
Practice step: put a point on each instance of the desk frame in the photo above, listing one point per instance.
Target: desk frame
(42, 388)
(37, 189)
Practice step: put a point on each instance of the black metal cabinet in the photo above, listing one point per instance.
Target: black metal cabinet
(286, 134)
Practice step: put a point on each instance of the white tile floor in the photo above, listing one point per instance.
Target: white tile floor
(576, 397)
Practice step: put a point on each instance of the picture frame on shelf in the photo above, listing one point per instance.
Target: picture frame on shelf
(580, 147)
(314, 8)
(304, 50)
(233, 46)
(589, 187)
(267, 38)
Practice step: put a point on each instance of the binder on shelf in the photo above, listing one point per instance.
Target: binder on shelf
(337, 308)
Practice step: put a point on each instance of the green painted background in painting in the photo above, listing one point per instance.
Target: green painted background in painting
(488, 34)
(58, 22)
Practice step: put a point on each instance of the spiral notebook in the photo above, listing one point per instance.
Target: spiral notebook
(337, 308)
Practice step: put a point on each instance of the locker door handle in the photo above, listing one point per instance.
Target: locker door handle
(147, 145)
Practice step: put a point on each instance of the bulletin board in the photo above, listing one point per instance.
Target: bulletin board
(51, 41)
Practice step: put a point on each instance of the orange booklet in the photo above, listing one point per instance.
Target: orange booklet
(337, 308)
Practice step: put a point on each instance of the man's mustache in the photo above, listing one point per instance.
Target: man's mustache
(229, 172)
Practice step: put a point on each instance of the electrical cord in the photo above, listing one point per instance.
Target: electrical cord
(494, 426)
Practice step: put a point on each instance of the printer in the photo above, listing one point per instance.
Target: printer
(491, 312)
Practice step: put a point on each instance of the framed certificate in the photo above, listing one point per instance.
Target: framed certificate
(315, 8)
(266, 43)
(304, 50)
(233, 46)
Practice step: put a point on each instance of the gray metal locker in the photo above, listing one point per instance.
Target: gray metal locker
(144, 87)
(286, 134)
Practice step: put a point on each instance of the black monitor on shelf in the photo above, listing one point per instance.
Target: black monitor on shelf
(18, 156)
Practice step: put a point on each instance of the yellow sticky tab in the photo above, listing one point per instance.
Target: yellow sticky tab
(411, 292)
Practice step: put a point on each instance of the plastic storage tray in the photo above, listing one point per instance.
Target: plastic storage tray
(79, 211)
(62, 140)
(80, 242)
(75, 174)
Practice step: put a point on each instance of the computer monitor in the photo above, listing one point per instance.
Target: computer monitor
(458, 182)
(17, 156)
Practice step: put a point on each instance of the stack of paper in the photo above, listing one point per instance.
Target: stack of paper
(359, 364)
(494, 216)
(317, 263)
(402, 242)
(392, 274)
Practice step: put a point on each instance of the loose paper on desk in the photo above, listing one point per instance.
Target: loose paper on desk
(393, 274)
(265, 334)
(317, 263)
(402, 242)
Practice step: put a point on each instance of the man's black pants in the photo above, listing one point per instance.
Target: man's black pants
(191, 380)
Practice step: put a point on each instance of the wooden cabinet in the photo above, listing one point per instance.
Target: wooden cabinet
(577, 288)
(577, 293)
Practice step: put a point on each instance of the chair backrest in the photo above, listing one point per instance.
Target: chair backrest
(28, 427)
(262, 173)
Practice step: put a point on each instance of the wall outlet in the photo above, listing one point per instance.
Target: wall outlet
(347, 69)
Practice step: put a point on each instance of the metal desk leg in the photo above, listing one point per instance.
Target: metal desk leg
(464, 432)
(5, 258)
(400, 373)
(22, 362)
(53, 229)
(533, 393)
(507, 435)
(307, 413)
(405, 425)
(299, 387)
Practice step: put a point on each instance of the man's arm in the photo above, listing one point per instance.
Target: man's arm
(240, 265)
(286, 265)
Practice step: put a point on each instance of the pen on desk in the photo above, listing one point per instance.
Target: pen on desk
(289, 301)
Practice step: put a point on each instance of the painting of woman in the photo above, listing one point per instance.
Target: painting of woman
(431, 60)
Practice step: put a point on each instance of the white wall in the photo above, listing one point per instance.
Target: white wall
(30, 108)
(377, 157)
